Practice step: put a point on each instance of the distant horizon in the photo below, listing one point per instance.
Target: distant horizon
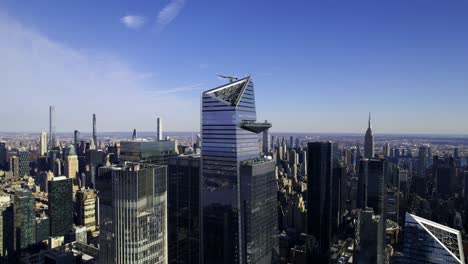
(272, 133)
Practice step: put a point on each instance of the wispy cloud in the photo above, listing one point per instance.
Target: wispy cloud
(179, 89)
(133, 21)
(37, 71)
(169, 13)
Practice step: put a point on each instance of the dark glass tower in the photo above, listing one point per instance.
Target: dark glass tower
(3, 156)
(376, 186)
(183, 201)
(23, 156)
(60, 206)
(24, 219)
(259, 211)
(361, 201)
(229, 136)
(322, 161)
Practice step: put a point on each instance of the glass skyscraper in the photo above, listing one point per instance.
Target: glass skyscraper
(425, 241)
(60, 206)
(133, 214)
(183, 195)
(323, 159)
(229, 137)
(24, 219)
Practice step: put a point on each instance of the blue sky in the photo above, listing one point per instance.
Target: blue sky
(318, 66)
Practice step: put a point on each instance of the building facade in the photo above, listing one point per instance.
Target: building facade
(229, 137)
(425, 241)
(183, 194)
(133, 214)
(322, 160)
(60, 206)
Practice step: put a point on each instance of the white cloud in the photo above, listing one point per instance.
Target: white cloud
(169, 13)
(37, 72)
(133, 22)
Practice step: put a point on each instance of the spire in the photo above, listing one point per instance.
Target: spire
(369, 119)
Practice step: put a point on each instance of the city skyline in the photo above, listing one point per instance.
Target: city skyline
(138, 55)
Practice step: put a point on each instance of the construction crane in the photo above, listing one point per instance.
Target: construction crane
(230, 78)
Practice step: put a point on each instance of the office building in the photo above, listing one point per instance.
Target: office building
(183, 200)
(444, 174)
(147, 151)
(259, 211)
(52, 140)
(42, 228)
(322, 160)
(230, 136)
(23, 159)
(369, 146)
(76, 140)
(86, 209)
(15, 166)
(361, 200)
(425, 241)
(94, 130)
(369, 243)
(71, 163)
(376, 188)
(133, 214)
(43, 143)
(24, 219)
(60, 206)
(423, 161)
(6, 233)
(3, 156)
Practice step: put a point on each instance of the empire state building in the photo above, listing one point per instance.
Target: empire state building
(369, 142)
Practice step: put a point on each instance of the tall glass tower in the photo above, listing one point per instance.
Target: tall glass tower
(229, 138)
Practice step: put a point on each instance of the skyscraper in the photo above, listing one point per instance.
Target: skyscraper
(76, 139)
(266, 142)
(155, 152)
(86, 209)
(322, 159)
(43, 143)
(133, 214)
(369, 142)
(229, 134)
(94, 130)
(52, 140)
(361, 201)
(24, 219)
(425, 241)
(24, 159)
(423, 160)
(71, 163)
(369, 238)
(183, 201)
(60, 206)
(376, 188)
(159, 129)
(14, 166)
(259, 211)
(3, 156)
